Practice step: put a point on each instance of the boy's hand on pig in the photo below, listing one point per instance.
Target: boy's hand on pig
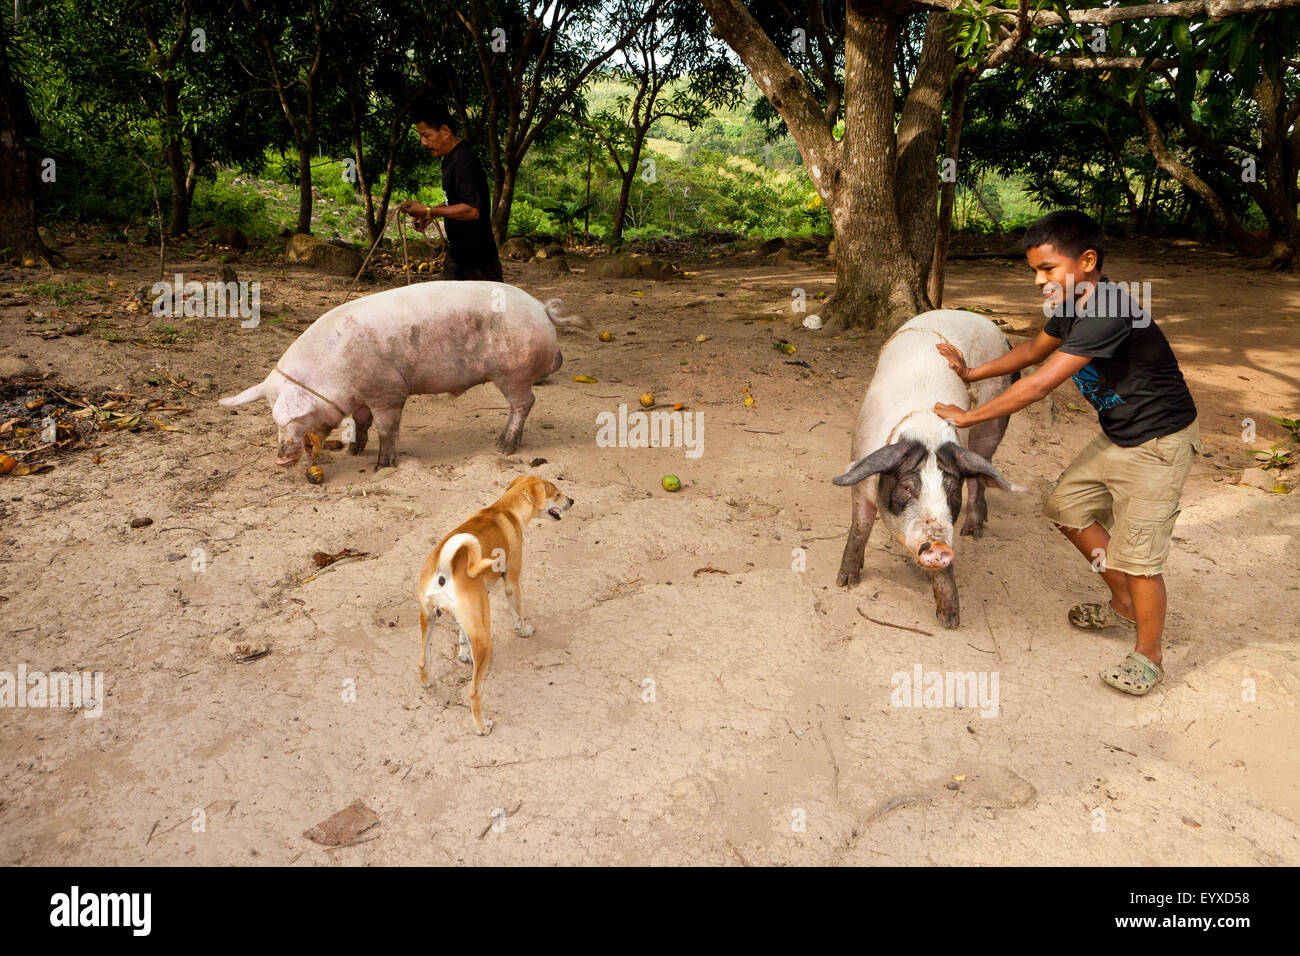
(953, 413)
(956, 361)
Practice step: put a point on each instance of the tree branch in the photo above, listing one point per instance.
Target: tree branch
(783, 85)
(1104, 16)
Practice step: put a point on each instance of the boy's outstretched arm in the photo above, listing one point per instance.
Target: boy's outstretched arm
(1020, 395)
(1026, 353)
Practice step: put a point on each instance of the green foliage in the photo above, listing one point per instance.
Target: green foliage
(329, 178)
(62, 293)
(527, 220)
(1275, 458)
(227, 205)
(1291, 425)
(1033, 139)
(567, 215)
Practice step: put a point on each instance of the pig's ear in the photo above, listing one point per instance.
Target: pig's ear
(293, 403)
(974, 465)
(246, 396)
(882, 459)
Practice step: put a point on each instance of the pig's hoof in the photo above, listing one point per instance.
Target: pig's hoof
(357, 447)
(973, 529)
(507, 447)
(950, 621)
(387, 461)
(848, 579)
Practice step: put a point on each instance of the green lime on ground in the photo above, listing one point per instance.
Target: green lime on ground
(672, 483)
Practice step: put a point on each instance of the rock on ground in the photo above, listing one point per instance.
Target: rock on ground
(327, 257)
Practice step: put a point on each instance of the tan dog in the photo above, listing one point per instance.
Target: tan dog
(487, 548)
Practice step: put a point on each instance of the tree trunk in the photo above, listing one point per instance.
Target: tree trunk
(505, 198)
(1279, 173)
(1129, 196)
(368, 201)
(586, 201)
(191, 175)
(625, 188)
(919, 129)
(18, 236)
(303, 143)
(304, 188)
(1144, 217)
(1186, 177)
(179, 222)
(877, 281)
(948, 194)
(620, 207)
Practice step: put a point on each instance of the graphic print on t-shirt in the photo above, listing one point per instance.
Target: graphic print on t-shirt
(1098, 394)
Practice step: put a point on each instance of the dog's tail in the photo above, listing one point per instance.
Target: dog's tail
(553, 307)
(477, 563)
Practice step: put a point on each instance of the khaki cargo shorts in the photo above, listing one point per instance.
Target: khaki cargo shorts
(1132, 492)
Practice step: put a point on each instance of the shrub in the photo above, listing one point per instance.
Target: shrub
(527, 220)
(228, 205)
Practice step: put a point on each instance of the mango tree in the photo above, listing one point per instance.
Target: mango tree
(819, 63)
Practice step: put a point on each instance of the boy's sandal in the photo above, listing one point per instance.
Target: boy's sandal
(1136, 675)
(1096, 616)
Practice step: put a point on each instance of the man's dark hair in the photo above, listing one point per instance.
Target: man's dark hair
(1070, 232)
(429, 111)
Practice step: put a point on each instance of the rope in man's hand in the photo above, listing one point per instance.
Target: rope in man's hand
(401, 216)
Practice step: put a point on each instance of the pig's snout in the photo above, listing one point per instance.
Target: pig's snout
(934, 555)
(289, 454)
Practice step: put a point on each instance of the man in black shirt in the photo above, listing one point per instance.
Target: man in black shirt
(1117, 502)
(471, 248)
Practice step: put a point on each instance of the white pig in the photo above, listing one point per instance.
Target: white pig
(910, 464)
(363, 359)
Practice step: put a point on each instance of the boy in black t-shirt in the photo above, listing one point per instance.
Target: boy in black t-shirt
(471, 248)
(1117, 502)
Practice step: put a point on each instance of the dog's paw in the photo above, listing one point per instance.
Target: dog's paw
(465, 658)
(525, 630)
(487, 727)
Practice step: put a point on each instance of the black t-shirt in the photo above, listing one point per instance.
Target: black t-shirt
(463, 180)
(1133, 380)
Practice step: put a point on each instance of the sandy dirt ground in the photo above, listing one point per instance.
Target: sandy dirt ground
(661, 714)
